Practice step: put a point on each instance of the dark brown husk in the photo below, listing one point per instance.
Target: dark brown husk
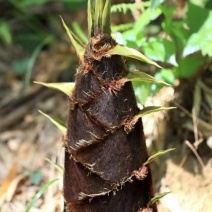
(102, 159)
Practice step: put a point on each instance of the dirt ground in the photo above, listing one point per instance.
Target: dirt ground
(28, 141)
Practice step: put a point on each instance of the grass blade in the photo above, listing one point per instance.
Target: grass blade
(60, 169)
(157, 197)
(38, 195)
(158, 154)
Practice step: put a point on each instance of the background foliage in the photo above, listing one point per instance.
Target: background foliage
(178, 37)
(181, 43)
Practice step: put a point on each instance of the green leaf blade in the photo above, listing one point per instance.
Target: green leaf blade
(106, 18)
(156, 3)
(157, 197)
(156, 155)
(76, 42)
(147, 110)
(39, 194)
(152, 109)
(132, 53)
(143, 77)
(90, 13)
(78, 30)
(59, 168)
(5, 32)
(66, 87)
(59, 124)
(99, 7)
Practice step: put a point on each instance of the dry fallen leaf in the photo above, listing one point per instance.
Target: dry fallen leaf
(9, 178)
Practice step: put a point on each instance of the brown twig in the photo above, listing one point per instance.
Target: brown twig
(182, 108)
(194, 119)
(195, 153)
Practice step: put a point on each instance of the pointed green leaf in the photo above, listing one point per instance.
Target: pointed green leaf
(99, 6)
(58, 123)
(78, 30)
(157, 197)
(76, 42)
(132, 53)
(65, 87)
(147, 110)
(60, 169)
(106, 18)
(142, 77)
(90, 19)
(156, 155)
(38, 195)
(152, 109)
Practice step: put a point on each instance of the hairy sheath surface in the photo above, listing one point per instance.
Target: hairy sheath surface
(102, 154)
